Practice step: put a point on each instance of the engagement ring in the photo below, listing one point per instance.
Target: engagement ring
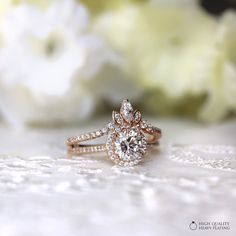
(128, 137)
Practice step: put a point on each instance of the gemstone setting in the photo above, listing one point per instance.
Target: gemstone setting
(127, 147)
(126, 111)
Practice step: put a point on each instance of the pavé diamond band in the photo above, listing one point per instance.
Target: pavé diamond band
(127, 141)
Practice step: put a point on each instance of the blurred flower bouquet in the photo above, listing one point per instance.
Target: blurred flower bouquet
(60, 59)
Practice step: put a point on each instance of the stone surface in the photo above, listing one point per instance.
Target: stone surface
(130, 145)
(127, 111)
(192, 177)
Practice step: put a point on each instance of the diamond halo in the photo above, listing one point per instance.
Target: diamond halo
(126, 143)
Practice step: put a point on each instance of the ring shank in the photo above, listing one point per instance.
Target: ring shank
(154, 136)
(86, 148)
(75, 147)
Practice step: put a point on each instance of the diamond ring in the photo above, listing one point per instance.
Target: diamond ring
(127, 141)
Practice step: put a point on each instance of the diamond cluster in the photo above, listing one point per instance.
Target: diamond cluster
(126, 144)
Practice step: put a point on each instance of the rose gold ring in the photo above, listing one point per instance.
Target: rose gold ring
(127, 141)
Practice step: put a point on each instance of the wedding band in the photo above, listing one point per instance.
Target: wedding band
(128, 137)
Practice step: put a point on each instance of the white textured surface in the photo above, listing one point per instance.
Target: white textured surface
(191, 177)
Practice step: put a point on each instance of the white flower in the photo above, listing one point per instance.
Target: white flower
(221, 82)
(178, 51)
(48, 57)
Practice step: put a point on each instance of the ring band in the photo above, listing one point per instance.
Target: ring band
(127, 141)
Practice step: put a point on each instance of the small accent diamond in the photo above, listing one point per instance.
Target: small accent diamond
(117, 117)
(137, 116)
(110, 126)
(104, 130)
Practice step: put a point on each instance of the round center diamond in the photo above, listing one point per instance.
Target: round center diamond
(130, 145)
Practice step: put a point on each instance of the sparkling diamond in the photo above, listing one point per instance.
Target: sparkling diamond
(117, 117)
(144, 124)
(130, 145)
(110, 126)
(127, 111)
(104, 130)
(137, 116)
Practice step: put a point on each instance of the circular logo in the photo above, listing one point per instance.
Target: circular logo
(193, 225)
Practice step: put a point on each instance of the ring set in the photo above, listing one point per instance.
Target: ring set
(128, 137)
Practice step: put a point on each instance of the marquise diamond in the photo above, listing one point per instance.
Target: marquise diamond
(127, 111)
